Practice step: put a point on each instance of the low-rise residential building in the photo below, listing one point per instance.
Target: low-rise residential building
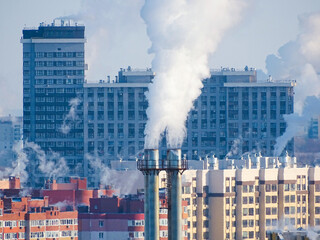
(121, 218)
(72, 193)
(33, 218)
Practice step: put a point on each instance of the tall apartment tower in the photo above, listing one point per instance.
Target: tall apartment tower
(53, 76)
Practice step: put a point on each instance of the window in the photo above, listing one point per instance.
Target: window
(274, 199)
(268, 188)
(268, 211)
(268, 199)
(245, 200)
(245, 211)
(286, 210)
(100, 223)
(286, 187)
(286, 199)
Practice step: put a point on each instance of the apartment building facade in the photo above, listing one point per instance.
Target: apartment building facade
(10, 137)
(121, 218)
(33, 218)
(245, 202)
(233, 111)
(313, 129)
(53, 76)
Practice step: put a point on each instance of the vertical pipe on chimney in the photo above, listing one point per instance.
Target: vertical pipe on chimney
(152, 194)
(174, 194)
(146, 206)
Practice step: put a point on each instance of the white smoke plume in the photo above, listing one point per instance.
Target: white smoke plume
(53, 166)
(126, 182)
(235, 148)
(25, 192)
(288, 229)
(299, 60)
(296, 123)
(71, 117)
(18, 165)
(62, 205)
(183, 34)
(112, 27)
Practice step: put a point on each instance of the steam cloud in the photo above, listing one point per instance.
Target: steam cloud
(235, 148)
(281, 226)
(183, 34)
(300, 60)
(71, 117)
(112, 27)
(18, 167)
(126, 182)
(52, 166)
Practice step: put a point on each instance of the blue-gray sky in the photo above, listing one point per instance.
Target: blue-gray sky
(117, 36)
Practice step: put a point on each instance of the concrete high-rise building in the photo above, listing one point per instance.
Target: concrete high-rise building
(10, 132)
(53, 76)
(10, 138)
(234, 112)
(313, 129)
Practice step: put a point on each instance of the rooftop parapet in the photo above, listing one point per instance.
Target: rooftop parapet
(57, 29)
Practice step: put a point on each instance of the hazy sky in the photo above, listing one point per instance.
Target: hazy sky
(116, 36)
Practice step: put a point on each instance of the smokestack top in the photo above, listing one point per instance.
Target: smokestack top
(174, 160)
(150, 161)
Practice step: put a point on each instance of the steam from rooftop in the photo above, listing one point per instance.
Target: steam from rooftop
(183, 34)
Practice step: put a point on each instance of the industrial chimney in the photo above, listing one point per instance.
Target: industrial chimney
(150, 167)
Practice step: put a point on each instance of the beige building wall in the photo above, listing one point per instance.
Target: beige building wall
(189, 194)
(314, 197)
(268, 200)
(245, 203)
(222, 208)
(293, 197)
(246, 180)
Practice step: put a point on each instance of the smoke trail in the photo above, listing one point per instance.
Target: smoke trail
(296, 123)
(18, 165)
(235, 148)
(52, 166)
(71, 117)
(183, 33)
(299, 60)
(63, 204)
